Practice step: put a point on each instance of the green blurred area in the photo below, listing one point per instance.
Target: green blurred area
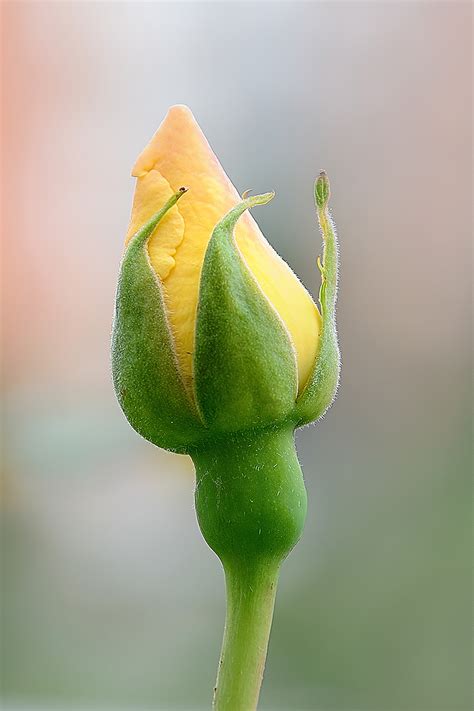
(110, 598)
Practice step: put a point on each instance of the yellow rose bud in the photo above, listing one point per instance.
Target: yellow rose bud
(179, 155)
(218, 351)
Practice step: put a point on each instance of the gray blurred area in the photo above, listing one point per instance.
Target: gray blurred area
(111, 599)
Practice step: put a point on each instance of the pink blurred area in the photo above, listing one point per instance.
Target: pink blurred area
(58, 199)
(110, 597)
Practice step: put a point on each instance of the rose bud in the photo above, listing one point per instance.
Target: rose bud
(219, 351)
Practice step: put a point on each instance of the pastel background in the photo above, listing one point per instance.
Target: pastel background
(111, 600)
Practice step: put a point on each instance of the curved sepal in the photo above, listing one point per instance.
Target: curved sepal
(147, 382)
(321, 387)
(244, 364)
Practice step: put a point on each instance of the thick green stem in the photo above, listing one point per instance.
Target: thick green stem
(251, 507)
(250, 600)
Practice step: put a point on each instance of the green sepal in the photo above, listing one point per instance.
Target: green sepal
(146, 378)
(321, 387)
(244, 364)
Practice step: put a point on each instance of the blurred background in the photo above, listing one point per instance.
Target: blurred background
(110, 597)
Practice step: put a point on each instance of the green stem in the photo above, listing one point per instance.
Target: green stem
(251, 594)
(251, 506)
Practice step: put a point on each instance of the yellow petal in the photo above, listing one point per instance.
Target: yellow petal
(179, 155)
(151, 193)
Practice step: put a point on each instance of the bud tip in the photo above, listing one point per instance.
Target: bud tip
(322, 190)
